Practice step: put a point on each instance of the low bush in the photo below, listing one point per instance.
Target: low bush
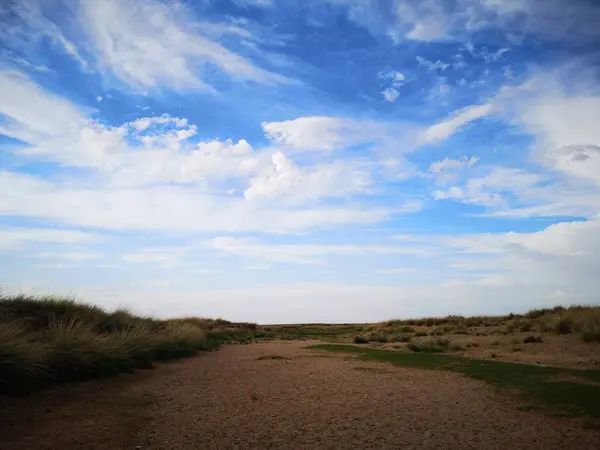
(430, 346)
(425, 348)
(533, 340)
(401, 338)
(360, 340)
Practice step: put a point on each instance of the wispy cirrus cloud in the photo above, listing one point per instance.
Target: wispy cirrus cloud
(16, 238)
(305, 253)
(437, 21)
(150, 44)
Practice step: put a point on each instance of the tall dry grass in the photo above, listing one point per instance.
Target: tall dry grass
(47, 339)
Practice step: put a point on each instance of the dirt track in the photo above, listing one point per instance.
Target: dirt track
(231, 400)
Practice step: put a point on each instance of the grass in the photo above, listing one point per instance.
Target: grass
(534, 384)
(46, 340)
(582, 320)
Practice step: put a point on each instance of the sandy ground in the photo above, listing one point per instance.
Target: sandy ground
(232, 400)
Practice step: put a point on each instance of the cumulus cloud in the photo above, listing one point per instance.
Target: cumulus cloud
(285, 179)
(395, 81)
(153, 163)
(564, 124)
(320, 133)
(390, 94)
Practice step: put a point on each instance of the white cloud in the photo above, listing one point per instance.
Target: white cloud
(305, 253)
(425, 22)
(26, 64)
(517, 193)
(430, 65)
(394, 271)
(285, 179)
(99, 98)
(432, 20)
(450, 164)
(574, 239)
(390, 94)
(448, 127)
(319, 133)
(397, 76)
(149, 44)
(395, 79)
(71, 256)
(168, 208)
(151, 164)
(55, 266)
(15, 238)
(163, 256)
(565, 125)
(493, 56)
(24, 25)
(35, 115)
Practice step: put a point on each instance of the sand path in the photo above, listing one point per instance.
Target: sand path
(230, 399)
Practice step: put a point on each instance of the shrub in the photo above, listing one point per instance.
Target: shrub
(360, 340)
(442, 342)
(426, 347)
(532, 340)
(563, 326)
(420, 334)
(457, 347)
(406, 329)
(591, 334)
(430, 346)
(401, 338)
(525, 326)
(461, 331)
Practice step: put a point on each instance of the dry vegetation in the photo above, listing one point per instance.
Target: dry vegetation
(44, 340)
(48, 340)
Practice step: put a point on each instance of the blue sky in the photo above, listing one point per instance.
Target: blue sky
(276, 161)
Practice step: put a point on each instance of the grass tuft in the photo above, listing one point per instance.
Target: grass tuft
(48, 339)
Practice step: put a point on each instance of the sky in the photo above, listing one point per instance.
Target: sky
(317, 161)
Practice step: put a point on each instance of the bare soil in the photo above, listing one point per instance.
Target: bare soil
(300, 399)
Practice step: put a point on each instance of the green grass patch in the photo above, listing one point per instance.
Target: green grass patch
(535, 385)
